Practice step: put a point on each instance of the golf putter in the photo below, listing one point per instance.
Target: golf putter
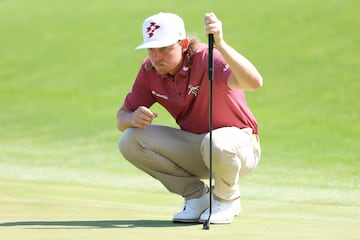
(206, 224)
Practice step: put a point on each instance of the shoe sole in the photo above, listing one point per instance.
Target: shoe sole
(212, 221)
(186, 220)
(216, 222)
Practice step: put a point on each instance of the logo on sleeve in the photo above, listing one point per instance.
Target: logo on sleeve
(226, 67)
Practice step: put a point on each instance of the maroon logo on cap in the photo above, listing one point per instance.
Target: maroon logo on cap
(151, 29)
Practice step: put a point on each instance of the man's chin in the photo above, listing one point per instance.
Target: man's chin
(161, 71)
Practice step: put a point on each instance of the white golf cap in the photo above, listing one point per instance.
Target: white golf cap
(162, 30)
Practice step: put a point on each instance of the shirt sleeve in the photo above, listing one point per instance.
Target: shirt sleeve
(222, 70)
(140, 94)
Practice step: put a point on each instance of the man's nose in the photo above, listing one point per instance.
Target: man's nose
(157, 55)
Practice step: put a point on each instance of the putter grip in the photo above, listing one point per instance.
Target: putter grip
(211, 57)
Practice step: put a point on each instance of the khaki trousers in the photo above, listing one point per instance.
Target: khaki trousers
(180, 159)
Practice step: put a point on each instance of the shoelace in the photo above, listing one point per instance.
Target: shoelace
(188, 205)
(185, 202)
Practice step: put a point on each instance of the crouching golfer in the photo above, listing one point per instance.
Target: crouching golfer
(175, 75)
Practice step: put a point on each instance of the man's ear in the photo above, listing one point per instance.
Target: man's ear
(185, 44)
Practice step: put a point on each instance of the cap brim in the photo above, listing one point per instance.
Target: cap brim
(156, 44)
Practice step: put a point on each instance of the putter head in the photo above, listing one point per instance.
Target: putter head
(206, 225)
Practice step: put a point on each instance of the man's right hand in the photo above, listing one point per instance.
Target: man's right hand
(140, 118)
(143, 117)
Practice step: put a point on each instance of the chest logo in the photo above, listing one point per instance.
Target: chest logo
(193, 89)
(160, 95)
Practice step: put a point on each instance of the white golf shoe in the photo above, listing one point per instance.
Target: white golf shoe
(192, 210)
(222, 212)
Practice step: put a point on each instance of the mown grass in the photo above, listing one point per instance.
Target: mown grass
(65, 68)
(40, 210)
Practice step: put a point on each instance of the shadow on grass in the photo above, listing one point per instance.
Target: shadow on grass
(94, 224)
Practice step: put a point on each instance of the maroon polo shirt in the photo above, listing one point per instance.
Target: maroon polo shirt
(186, 95)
